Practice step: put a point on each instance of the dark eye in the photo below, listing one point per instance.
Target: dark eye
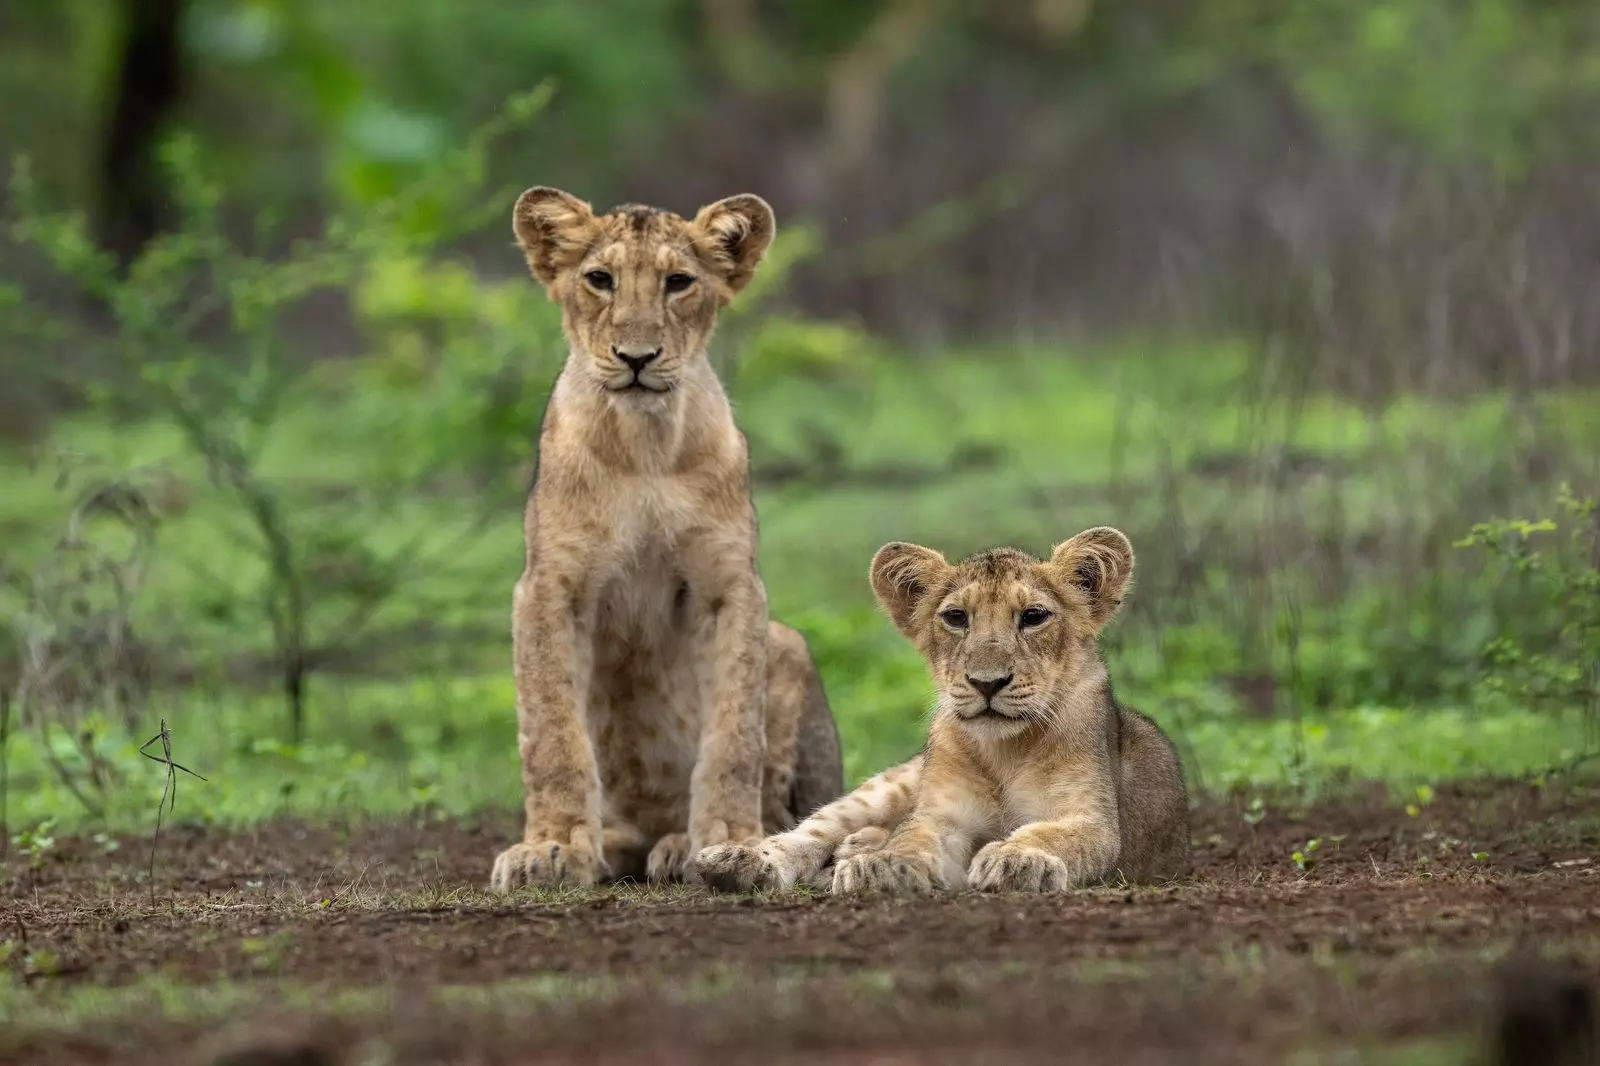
(955, 618)
(599, 279)
(1034, 617)
(679, 282)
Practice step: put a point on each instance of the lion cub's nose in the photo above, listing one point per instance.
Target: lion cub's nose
(988, 687)
(636, 363)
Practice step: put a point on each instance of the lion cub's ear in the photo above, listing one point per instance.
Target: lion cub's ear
(554, 228)
(1100, 562)
(732, 235)
(902, 574)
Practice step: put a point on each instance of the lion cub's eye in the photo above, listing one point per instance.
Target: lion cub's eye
(599, 279)
(1034, 617)
(679, 282)
(955, 618)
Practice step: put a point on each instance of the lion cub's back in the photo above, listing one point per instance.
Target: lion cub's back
(1152, 799)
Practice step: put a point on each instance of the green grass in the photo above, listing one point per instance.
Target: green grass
(57, 1008)
(1381, 661)
(1432, 1052)
(390, 747)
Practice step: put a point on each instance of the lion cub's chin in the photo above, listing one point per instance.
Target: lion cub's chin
(991, 725)
(994, 727)
(639, 401)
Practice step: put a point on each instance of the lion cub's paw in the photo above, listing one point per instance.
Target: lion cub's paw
(1007, 867)
(878, 871)
(871, 838)
(738, 868)
(546, 865)
(670, 860)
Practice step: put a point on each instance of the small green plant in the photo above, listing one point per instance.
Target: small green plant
(42, 964)
(1422, 796)
(1552, 661)
(1306, 857)
(36, 843)
(266, 952)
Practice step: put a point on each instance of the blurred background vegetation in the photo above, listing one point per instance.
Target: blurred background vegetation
(1302, 296)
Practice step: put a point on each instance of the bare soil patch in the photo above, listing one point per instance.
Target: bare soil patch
(1389, 934)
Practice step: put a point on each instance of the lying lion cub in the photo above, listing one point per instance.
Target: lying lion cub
(1034, 778)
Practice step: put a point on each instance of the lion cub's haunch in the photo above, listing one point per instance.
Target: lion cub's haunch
(1034, 777)
(658, 708)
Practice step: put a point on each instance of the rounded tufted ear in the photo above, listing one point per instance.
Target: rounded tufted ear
(554, 229)
(902, 575)
(732, 235)
(1100, 562)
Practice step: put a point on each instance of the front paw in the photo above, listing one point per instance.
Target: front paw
(1007, 867)
(739, 868)
(670, 860)
(544, 865)
(861, 841)
(879, 871)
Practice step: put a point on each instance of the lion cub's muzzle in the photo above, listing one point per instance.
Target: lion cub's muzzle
(642, 373)
(987, 690)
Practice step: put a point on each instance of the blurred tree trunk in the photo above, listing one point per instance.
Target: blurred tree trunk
(734, 29)
(150, 85)
(859, 80)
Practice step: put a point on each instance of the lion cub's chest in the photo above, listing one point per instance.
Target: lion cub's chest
(645, 691)
(649, 513)
(644, 576)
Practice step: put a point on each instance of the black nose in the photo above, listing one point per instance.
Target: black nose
(987, 689)
(637, 363)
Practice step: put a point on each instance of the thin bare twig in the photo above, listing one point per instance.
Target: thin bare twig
(169, 791)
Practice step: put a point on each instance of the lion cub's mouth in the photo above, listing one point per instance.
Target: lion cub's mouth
(639, 386)
(989, 714)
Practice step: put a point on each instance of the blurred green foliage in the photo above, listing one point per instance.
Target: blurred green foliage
(400, 476)
(197, 340)
(1500, 82)
(347, 101)
(354, 522)
(1551, 658)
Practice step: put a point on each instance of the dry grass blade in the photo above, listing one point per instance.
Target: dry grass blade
(169, 791)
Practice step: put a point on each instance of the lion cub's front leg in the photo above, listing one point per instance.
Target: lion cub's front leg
(669, 859)
(561, 841)
(929, 849)
(725, 787)
(848, 826)
(1078, 845)
(910, 862)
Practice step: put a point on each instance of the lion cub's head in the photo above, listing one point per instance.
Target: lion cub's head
(1008, 637)
(640, 288)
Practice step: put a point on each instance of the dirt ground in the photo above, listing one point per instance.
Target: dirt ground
(321, 940)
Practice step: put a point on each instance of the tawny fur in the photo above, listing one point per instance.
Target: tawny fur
(1034, 777)
(659, 709)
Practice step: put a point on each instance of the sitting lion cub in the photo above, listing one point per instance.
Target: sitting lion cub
(1034, 778)
(658, 709)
